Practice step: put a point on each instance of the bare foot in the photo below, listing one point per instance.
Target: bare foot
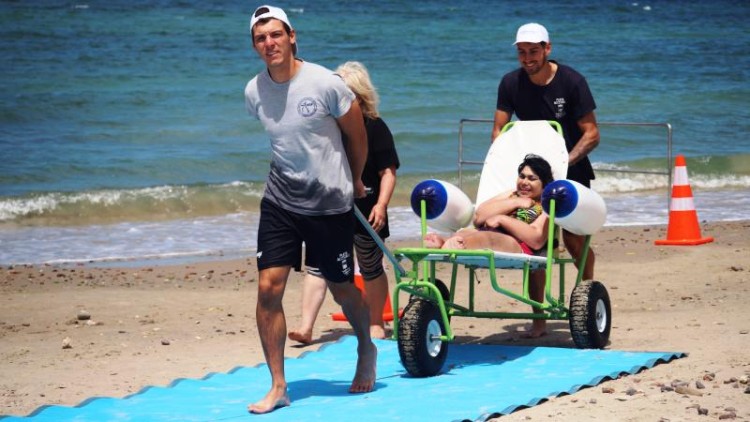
(364, 378)
(300, 337)
(433, 240)
(455, 242)
(272, 401)
(538, 329)
(377, 331)
(533, 334)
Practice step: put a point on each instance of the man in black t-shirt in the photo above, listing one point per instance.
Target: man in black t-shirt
(543, 89)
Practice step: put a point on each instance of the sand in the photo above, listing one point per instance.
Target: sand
(151, 324)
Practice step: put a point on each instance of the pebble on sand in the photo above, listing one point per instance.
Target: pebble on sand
(83, 315)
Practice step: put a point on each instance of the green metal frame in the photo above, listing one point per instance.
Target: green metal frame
(418, 279)
(552, 123)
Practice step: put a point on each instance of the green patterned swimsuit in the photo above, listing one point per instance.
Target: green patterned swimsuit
(528, 215)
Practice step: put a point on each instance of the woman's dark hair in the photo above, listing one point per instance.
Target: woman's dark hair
(538, 165)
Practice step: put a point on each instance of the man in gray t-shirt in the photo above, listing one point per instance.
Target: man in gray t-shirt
(309, 170)
(309, 194)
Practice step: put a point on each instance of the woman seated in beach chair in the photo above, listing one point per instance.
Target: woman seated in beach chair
(509, 222)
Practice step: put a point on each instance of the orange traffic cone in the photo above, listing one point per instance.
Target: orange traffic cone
(683, 226)
(360, 283)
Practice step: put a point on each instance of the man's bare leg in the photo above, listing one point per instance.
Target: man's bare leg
(364, 376)
(537, 283)
(269, 314)
(575, 243)
(313, 294)
(376, 291)
(348, 296)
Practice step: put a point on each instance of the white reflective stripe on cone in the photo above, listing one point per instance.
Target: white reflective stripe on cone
(682, 204)
(680, 176)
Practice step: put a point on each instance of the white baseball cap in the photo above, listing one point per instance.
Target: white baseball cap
(533, 33)
(268, 12)
(271, 12)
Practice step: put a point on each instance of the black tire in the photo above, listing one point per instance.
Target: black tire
(590, 315)
(421, 351)
(442, 287)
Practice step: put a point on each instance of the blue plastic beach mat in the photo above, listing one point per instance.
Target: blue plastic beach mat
(478, 382)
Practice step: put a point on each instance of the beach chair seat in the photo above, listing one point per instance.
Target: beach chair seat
(503, 260)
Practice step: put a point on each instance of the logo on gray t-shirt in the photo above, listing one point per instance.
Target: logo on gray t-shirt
(307, 107)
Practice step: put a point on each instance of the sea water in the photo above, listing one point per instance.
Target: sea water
(123, 133)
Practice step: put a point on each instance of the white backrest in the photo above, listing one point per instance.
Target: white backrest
(500, 169)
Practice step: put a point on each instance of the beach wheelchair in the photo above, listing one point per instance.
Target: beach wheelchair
(423, 332)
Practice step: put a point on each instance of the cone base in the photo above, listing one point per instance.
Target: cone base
(684, 242)
(359, 282)
(387, 316)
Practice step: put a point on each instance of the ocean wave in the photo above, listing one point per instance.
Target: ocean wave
(234, 235)
(637, 177)
(190, 201)
(143, 204)
(612, 180)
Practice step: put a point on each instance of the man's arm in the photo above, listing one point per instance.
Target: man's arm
(501, 119)
(589, 139)
(353, 126)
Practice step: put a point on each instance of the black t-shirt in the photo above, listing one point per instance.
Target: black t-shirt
(381, 154)
(566, 99)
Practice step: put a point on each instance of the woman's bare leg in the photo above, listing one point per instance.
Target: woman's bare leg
(499, 242)
(313, 294)
(433, 240)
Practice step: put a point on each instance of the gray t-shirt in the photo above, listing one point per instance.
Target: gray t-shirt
(310, 172)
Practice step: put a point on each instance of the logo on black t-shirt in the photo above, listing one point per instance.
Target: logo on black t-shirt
(559, 108)
(307, 107)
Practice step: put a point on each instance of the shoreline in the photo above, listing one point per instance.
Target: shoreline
(189, 258)
(664, 298)
(233, 235)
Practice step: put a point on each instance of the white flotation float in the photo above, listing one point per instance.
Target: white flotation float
(578, 209)
(448, 208)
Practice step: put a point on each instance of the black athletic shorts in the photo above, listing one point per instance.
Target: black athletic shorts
(328, 239)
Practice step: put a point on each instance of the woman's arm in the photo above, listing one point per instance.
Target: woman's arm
(387, 185)
(501, 204)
